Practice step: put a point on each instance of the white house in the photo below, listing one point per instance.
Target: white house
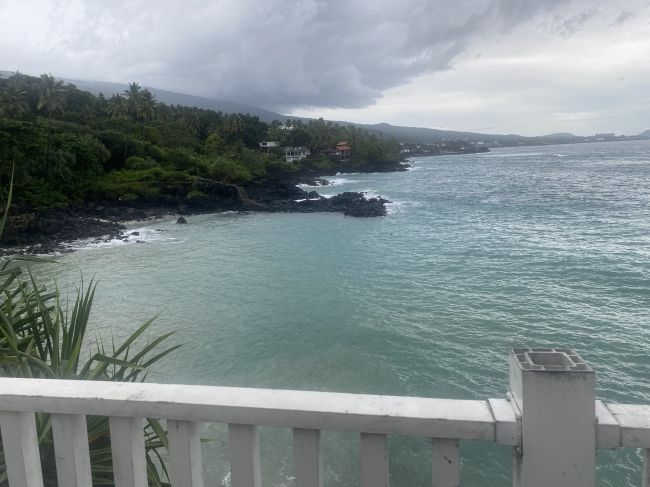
(296, 153)
(268, 144)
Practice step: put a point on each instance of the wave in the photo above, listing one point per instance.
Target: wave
(492, 155)
(369, 194)
(398, 207)
(338, 181)
(317, 185)
(131, 236)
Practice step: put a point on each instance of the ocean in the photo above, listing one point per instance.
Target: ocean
(534, 246)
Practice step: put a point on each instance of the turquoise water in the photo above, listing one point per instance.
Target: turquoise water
(535, 246)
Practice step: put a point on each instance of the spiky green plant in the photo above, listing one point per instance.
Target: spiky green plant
(41, 337)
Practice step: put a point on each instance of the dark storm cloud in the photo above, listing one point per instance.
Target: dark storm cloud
(280, 54)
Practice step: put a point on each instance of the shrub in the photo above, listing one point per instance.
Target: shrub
(229, 171)
(136, 162)
(40, 337)
(144, 184)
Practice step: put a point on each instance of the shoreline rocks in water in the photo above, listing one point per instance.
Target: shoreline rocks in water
(48, 231)
(349, 203)
(45, 232)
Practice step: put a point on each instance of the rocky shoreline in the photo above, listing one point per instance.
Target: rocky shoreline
(47, 231)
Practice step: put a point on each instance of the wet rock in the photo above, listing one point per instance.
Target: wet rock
(181, 220)
(135, 234)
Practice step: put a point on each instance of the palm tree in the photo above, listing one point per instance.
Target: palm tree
(117, 108)
(87, 114)
(147, 105)
(147, 108)
(133, 99)
(52, 100)
(13, 101)
(192, 120)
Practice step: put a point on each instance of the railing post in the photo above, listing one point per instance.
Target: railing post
(554, 392)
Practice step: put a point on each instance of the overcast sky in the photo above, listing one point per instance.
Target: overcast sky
(506, 66)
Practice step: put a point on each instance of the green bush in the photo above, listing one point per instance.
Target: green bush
(41, 337)
(318, 163)
(145, 184)
(137, 162)
(40, 194)
(229, 171)
(195, 193)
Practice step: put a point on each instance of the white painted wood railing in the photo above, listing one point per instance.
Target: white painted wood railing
(184, 407)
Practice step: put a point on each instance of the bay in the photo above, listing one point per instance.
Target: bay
(537, 246)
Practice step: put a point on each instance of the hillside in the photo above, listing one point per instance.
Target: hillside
(77, 160)
(401, 133)
(171, 98)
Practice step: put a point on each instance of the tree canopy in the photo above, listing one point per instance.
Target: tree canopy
(71, 147)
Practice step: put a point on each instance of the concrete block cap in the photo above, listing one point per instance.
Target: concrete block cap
(550, 360)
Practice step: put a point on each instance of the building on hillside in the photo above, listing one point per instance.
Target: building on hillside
(344, 149)
(267, 145)
(342, 152)
(292, 154)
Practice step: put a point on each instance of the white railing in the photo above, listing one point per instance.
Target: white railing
(514, 421)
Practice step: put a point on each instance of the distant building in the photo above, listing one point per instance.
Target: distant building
(268, 144)
(292, 154)
(345, 150)
(342, 152)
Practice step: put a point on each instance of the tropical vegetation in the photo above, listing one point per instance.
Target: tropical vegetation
(42, 337)
(70, 147)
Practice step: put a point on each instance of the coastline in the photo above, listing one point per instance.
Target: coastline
(52, 231)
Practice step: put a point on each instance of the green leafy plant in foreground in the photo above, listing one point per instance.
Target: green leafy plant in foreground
(41, 337)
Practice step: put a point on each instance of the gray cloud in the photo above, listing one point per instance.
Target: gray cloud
(280, 54)
(571, 25)
(623, 17)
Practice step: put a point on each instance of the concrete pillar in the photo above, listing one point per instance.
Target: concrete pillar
(554, 392)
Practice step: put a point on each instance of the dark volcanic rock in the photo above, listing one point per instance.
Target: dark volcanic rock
(354, 204)
(45, 231)
(350, 204)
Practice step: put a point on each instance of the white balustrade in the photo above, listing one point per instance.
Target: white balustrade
(374, 460)
(550, 417)
(307, 461)
(71, 450)
(20, 444)
(127, 446)
(244, 455)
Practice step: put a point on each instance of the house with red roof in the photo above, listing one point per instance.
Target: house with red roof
(342, 152)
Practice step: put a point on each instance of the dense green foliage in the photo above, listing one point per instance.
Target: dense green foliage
(71, 147)
(42, 338)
